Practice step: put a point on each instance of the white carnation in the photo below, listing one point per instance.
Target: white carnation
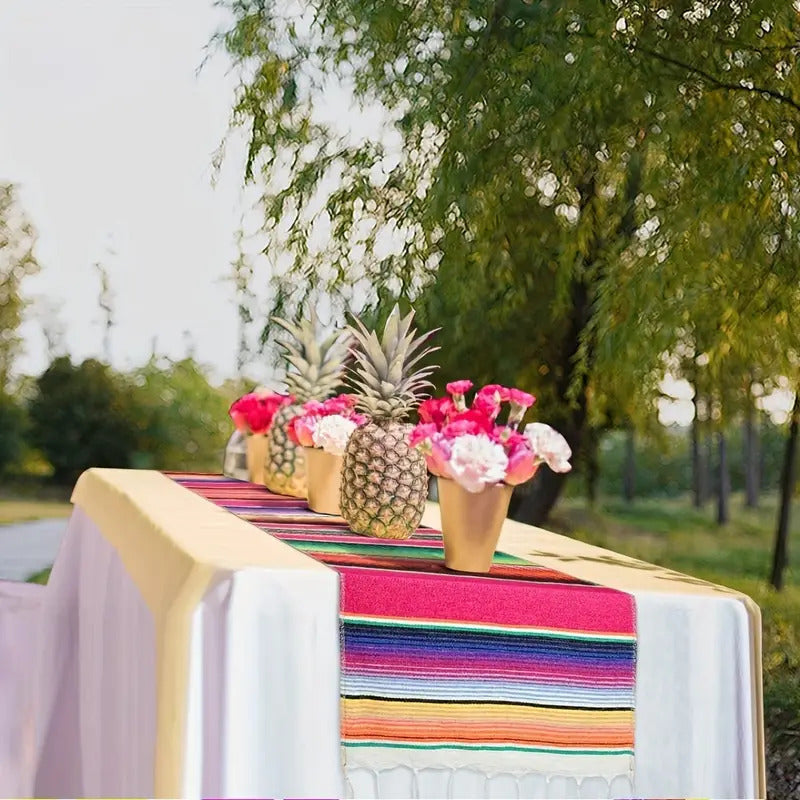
(549, 446)
(332, 432)
(477, 462)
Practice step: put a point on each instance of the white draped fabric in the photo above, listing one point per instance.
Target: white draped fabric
(262, 695)
(20, 614)
(263, 716)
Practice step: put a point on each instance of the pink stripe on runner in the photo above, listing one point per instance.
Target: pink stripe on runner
(586, 675)
(379, 593)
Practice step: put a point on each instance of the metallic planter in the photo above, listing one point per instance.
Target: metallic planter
(471, 524)
(323, 474)
(256, 457)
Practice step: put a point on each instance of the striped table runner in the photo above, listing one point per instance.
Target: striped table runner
(523, 670)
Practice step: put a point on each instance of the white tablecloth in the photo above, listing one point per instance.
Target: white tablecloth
(20, 613)
(263, 689)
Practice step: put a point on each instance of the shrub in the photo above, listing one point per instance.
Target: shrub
(82, 416)
(12, 432)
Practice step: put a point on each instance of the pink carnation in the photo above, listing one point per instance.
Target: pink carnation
(340, 404)
(301, 429)
(487, 405)
(253, 412)
(459, 387)
(519, 398)
(437, 456)
(495, 391)
(467, 422)
(436, 410)
(522, 461)
(421, 433)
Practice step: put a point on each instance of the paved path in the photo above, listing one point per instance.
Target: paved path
(28, 547)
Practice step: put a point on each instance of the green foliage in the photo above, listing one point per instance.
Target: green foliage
(781, 631)
(663, 465)
(17, 238)
(181, 419)
(12, 432)
(41, 577)
(165, 415)
(496, 115)
(82, 416)
(585, 195)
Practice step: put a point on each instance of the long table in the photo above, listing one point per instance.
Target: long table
(185, 652)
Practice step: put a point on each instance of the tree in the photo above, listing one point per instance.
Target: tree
(780, 558)
(182, 420)
(48, 314)
(723, 480)
(534, 223)
(12, 429)
(82, 416)
(539, 186)
(629, 474)
(751, 447)
(17, 262)
(241, 276)
(105, 300)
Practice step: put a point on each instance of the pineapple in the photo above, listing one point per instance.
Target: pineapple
(384, 481)
(318, 372)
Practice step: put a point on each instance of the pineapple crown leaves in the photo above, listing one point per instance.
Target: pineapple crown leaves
(382, 375)
(318, 366)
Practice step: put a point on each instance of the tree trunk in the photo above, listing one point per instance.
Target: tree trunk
(629, 473)
(724, 484)
(538, 500)
(780, 557)
(705, 470)
(697, 458)
(540, 497)
(751, 457)
(533, 502)
(592, 466)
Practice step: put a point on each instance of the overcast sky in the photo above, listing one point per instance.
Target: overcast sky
(109, 131)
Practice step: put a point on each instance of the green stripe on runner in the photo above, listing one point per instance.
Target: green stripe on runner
(393, 622)
(401, 551)
(499, 748)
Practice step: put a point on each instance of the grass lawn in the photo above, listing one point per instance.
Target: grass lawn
(672, 533)
(26, 510)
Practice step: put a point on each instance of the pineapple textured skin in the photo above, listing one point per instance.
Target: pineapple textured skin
(286, 465)
(315, 371)
(384, 481)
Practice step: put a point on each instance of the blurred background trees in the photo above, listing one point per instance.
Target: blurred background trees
(163, 415)
(17, 262)
(82, 416)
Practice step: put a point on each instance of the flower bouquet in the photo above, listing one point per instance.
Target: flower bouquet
(323, 429)
(478, 461)
(252, 415)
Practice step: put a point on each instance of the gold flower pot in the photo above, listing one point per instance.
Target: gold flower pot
(324, 477)
(256, 457)
(471, 524)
